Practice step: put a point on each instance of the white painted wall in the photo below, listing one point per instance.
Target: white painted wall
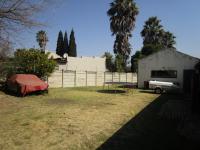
(165, 60)
(84, 64)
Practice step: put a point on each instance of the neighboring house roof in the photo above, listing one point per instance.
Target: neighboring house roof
(174, 50)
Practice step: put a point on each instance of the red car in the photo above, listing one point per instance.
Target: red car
(23, 84)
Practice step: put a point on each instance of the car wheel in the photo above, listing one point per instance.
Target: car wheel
(19, 94)
(158, 90)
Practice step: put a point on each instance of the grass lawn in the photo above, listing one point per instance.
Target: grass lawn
(69, 118)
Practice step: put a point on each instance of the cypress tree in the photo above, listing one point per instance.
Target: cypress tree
(59, 48)
(65, 44)
(72, 45)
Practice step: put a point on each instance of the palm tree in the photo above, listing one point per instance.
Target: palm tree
(154, 35)
(168, 40)
(122, 15)
(152, 31)
(42, 39)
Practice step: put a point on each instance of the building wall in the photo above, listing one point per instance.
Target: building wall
(84, 64)
(165, 60)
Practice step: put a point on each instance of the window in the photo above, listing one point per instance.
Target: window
(164, 74)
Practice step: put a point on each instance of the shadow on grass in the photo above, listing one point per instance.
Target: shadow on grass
(147, 91)
(117, 91)
(127, 86)
(11, 93)
(150, 131)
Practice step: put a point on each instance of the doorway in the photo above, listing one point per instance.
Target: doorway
(187, 80)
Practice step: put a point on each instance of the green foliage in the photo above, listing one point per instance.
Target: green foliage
(72, 45)
(42, 39)
(65, 44)
(168, 40)
(145, 51)
(109, 61)
(148, 49)
(32, 61)
(60, 44)
(122, 15)
(6, 67)
(155, 37)
(122, 45)
(115, 63)
(134, 61)
(152, 31)
(119, 63)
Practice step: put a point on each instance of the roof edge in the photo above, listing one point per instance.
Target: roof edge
(170, 49)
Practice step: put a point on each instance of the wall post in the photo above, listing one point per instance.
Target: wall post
(126, 77)
(132, 78)
(62, 78)
(104, 77)
(112, 76)
(96, 78)
(86, 76)
(74, 78)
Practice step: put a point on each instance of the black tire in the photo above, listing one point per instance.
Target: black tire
(158, 90)
(46, 91)
(18, 93)
(5, 87)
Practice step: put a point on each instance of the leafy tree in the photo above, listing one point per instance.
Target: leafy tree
(72, 45)
(34, 62)
(60, 44)
(109, 61)
(122, 15)
(65, 44)
(134, 61)
(42, 39)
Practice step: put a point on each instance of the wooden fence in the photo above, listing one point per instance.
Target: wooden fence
(87, 78)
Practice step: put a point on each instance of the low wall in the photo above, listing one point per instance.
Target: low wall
(87, 78)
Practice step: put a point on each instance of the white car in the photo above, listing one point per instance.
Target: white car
(160, 86)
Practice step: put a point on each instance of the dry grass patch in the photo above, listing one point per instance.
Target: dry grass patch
(72, 118)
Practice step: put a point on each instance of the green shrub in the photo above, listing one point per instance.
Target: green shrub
(109, 61)
(33, 61)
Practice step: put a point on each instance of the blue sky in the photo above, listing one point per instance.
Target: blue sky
(90, 22)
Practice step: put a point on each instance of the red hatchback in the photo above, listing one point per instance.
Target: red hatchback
(25, 83)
